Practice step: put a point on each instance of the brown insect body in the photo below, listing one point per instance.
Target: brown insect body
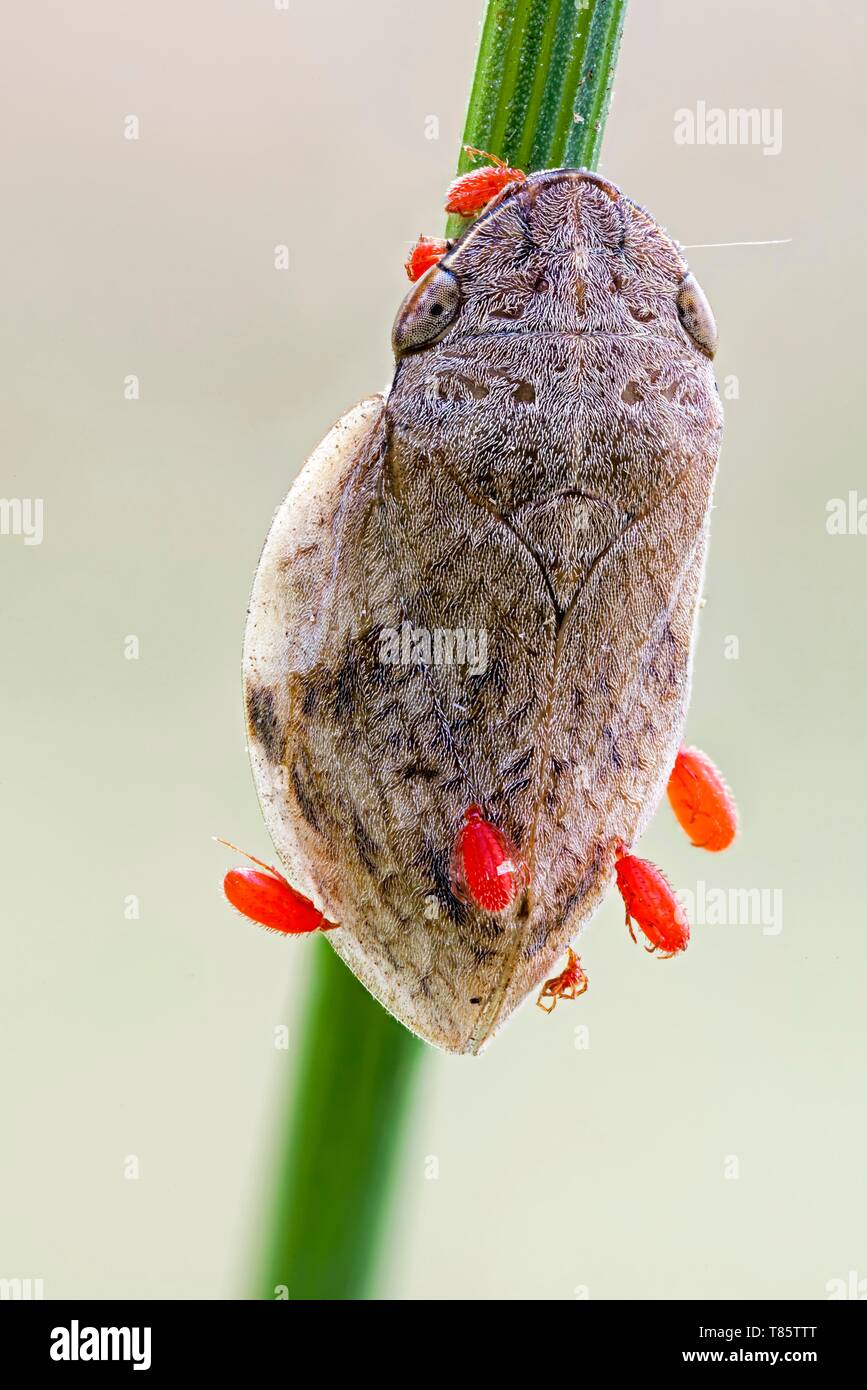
(540, 472)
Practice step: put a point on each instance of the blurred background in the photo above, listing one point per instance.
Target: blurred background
(691, 1129)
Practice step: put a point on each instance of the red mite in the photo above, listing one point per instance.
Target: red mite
(486, 866)
(651, 904)
(702, 802)
(469, 192)
(268, 899)
(426, 252)
(567, 985)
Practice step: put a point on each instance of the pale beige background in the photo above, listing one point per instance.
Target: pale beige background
(559, 1168)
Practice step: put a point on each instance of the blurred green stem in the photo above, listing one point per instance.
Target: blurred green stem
(354, 1080)
(542, 85)
(539, 100)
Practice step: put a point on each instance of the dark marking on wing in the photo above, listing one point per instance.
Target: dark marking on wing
(614, 755)
(365, 845)
(345, 688)
(436, 863)
(586, 881)
(263, 721)
(427, 774)
(304, 795)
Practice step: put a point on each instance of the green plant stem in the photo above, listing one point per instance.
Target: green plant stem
(539, 100)
(354, 1080)
(542, 85)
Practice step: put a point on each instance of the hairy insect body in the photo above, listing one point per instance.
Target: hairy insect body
(540, 471)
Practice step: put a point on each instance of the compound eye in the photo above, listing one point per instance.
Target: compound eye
(427, 311)
(696, 315)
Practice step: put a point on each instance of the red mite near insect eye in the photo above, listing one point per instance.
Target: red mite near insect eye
(426, 252)
(467, 195)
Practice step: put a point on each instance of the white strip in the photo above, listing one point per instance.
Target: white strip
(706, 245)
